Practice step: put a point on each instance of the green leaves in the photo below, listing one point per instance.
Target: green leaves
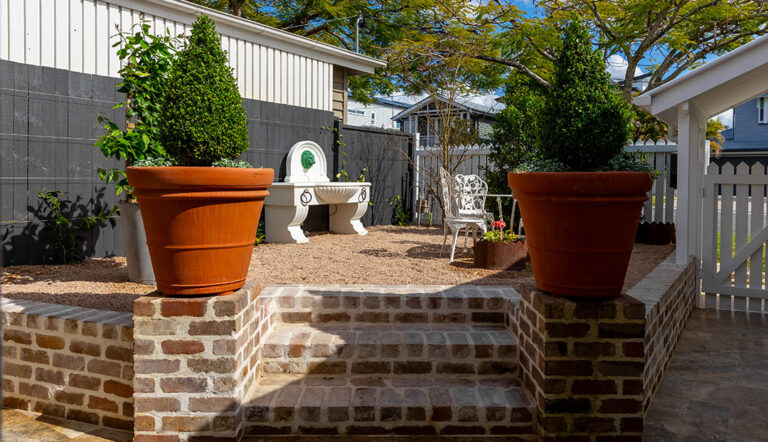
(68, 228)
(202, 118)
(584, 122)
(147, 59)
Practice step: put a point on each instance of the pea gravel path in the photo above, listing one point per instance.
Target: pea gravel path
(388, 255)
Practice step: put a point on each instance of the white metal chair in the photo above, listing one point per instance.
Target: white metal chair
(463, 207)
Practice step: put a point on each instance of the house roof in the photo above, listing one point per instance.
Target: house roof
(389, 100)
(715, 87)
(482, 104)
(744, 146)
(258, 33)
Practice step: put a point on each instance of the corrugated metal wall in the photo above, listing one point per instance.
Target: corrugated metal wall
(77, 35)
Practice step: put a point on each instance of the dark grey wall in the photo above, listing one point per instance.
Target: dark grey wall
(47, 129)
(48, 124)
(385, 154)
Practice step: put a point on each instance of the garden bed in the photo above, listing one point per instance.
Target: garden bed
(388, 255)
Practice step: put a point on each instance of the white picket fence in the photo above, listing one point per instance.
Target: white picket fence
(465, 159)
(473, 159)
(660, 206)
(735, 235)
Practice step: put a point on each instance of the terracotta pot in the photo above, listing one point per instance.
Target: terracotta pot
(499, 255)
(580, 227)
(201, 224)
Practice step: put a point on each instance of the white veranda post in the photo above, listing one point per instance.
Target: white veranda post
(691, 162)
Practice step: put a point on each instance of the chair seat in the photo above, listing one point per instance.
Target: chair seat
(465, 220)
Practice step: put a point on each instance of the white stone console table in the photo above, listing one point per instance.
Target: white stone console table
(306, 184)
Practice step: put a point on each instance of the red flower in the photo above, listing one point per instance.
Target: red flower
(500, 224)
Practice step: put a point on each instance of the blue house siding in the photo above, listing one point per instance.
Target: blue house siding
(747, 134)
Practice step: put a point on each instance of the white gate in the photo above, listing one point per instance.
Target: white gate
(735, 232)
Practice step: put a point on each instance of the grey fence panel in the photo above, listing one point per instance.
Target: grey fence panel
(384, 153)
(48, 126)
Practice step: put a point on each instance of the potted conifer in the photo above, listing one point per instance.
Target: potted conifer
(200, 207)
(582, 195)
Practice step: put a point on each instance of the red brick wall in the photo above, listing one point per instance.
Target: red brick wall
(582, 361)
(669, 292)
(68, 362)
(194, 357)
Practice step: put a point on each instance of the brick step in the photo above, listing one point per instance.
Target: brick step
(384, 349)
(394, 305)
(388, 405)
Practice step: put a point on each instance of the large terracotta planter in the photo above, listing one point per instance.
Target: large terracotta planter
(200, 223)
(580, 227)
(499, 255)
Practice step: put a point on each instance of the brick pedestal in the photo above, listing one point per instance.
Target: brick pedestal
(582, 360)
(193, 358)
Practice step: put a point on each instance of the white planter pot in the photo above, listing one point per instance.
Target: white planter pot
(135, 241)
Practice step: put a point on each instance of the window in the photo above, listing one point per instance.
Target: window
(373, 118)
(762, 110)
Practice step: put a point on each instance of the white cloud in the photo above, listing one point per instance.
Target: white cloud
(616, 65)
(726, 118)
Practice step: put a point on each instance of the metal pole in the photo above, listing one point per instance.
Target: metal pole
(357, 33)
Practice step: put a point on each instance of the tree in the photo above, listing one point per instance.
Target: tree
(515, 136)
(672, 35)
(714, 135)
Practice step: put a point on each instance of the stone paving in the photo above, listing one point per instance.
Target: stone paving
(25, 425)
(717, 382)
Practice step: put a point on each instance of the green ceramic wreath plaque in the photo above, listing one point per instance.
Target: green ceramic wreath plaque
(307, 159)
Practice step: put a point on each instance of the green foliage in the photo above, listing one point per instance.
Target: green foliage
(399, 216)
(203, 119)
(226, 162)
(503, 236)
(68, 235)
(515, 136)
(147, 58)
(584, 122)
(260, 235)
(156, 162)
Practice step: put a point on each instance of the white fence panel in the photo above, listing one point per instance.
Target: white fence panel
(660, 207)
(465, 159)
(735, 236)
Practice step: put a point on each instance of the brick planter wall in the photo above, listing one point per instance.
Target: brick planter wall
(583, 362)
(68, 362)
(669, 293)
(193, 359)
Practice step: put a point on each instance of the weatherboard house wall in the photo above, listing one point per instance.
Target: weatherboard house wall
(270, 65)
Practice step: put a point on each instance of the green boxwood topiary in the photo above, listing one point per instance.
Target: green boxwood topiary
(585, 123)
(202, 118)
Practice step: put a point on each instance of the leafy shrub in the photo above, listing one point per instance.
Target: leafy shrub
(515, 135)
(69, 230)
(147, 60)
(585, 122)
(202, 117)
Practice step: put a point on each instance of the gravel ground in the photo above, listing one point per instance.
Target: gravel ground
(388, 255)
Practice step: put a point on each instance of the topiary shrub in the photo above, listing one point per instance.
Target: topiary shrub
(585, 123)
(202, 117)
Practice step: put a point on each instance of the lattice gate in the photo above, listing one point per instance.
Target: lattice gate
(735, 235)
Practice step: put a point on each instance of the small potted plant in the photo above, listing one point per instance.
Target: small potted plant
(500, 249)
(200, 206)
(581, 197)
